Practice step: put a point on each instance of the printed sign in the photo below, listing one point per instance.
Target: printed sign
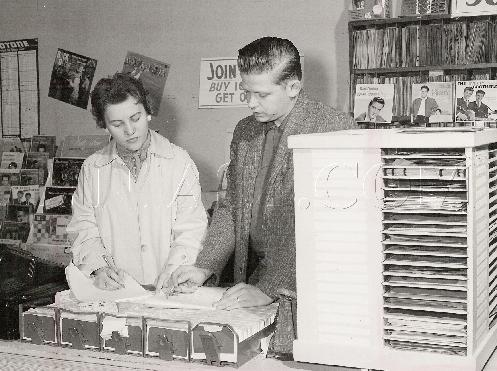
(220, 84)
(474, 7)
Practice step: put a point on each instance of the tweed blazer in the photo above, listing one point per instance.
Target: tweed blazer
(230, 226)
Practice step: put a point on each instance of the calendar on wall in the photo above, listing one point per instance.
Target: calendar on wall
(19, 88)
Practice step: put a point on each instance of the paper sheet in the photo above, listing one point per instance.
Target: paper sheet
(84, 290)
(202, 298)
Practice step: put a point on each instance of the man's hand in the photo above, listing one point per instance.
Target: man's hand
(187, 278)
(243, 296)
(108, 279)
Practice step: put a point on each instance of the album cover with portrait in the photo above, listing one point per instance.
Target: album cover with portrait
(373, 103)
(43, 144)
(14, 231)
(10, 177)
(12, 160)
(432, 102)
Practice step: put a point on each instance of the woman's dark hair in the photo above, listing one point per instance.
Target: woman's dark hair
(114, 90)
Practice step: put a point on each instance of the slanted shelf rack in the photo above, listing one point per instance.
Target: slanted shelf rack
(425, 249)
(396, 234)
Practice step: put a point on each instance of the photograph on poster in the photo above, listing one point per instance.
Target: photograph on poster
(71, 78)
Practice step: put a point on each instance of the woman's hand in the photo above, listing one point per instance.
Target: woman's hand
(108, 279)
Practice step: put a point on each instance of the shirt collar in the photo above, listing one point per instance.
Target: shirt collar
(159, 146)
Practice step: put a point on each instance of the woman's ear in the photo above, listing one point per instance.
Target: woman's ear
(149, 117)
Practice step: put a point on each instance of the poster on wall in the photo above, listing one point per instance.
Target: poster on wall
(473, 7)
(71, 79)
(19, 88)
(152, 73)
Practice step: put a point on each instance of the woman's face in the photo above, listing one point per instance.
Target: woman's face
(127, 122)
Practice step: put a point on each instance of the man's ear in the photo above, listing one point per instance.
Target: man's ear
(293, 88)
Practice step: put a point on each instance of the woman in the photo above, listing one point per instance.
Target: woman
(137, 207)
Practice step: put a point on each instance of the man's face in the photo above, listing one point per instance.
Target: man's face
(479, 97)
(424, 93)
(267, 100)
(374, 109)
(5, 180)
(468, 94)
(21, 216)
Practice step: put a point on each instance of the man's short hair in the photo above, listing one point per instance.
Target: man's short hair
(468, 88)
(425, 87)
(376, 99)
(114, 90)
(271, 54)
(27, 194)
(480, 92)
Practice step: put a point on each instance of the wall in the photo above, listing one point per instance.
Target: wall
(180, 32)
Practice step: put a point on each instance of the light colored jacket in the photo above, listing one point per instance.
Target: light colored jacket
(145, 225)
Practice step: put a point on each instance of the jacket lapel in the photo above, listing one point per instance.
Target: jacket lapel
(252, 158)
(292, 126)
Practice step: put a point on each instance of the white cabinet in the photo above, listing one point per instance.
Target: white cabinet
(396, 234)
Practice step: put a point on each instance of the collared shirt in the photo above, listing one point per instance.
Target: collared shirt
(422, 109)
(144, 225)
(271, 142)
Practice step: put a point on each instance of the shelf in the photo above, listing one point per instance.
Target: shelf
(400, 20)
(403, 70)
(428, 18)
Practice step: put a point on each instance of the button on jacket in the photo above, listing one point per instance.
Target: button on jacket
(144, 225)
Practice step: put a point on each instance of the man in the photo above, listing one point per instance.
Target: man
(256, 219)
(27, 201)
(19, 197)
(480, 109)
(424, 106)
(463, 113)
(373, 114)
